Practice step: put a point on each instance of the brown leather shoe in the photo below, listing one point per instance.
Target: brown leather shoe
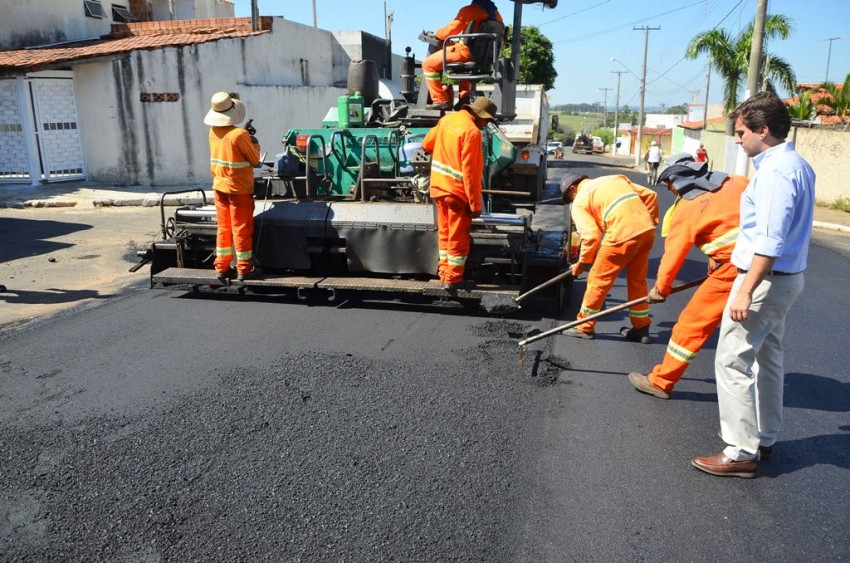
(765, 452)
(642, 384)
(722, 466)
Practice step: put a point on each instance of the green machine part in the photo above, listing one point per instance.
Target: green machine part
(335, 155)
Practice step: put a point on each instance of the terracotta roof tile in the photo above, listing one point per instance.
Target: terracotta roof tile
(126, 38)
(699, 124)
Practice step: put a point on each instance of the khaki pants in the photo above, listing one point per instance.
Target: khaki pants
(749, 367)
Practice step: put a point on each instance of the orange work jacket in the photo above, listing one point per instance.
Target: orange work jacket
(462, 19)
(232, 159)
(709, 221)
(457, 158)
(609, 211)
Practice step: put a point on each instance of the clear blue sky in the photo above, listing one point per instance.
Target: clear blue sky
(586, 34)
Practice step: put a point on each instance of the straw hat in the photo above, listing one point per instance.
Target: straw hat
(483, 107)
(224, 110)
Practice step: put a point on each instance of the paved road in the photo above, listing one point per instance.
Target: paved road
(165, 426)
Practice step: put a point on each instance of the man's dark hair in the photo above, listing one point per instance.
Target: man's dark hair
(764, 109)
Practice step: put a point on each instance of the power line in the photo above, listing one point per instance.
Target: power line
(574, 13)
(619, 27)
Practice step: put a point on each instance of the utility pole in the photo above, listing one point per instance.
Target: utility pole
(639, 149)
(255, 16)
(605, 109)
(616, 112)
(705, 108)
(743, 162)
(315, 21)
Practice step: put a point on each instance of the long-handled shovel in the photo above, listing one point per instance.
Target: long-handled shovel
(496, 303)
(620, 307)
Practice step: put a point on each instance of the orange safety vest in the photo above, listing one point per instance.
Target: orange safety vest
(232, 159)
(611, 210)
(462, 19)
(457, 158)
(709, 221)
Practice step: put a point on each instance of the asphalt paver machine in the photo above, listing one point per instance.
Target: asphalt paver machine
(345, 207)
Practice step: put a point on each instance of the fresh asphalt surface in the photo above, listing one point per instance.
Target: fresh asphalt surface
(171, 427)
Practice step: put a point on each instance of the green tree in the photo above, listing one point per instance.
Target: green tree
(536, 58)
(730, 57)
(838, 100)
(803, 108)
(681, 109)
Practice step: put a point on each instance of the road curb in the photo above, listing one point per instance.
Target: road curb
(830, 226)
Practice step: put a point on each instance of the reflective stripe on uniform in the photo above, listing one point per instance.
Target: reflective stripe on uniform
(226, 164)
(587, 312)
(710, 248)
(432, 75)
(680, 353)
(644, 314)
(246, 255)
(224, 251)
(614, 204)
(456, 260)
(445, 170)
(444, 255)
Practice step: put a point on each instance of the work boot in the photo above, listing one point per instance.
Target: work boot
(576, 333)
(464, 285)
(247, 276)
(642, 384)
(224, 277)
(636, 334)
(445, 106)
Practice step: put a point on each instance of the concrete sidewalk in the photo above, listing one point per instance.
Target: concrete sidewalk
(87, 195)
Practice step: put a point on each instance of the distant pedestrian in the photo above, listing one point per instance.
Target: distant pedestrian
(234, 152)
(770, 254)
(652, 159)
(702, 154)
(616, 221)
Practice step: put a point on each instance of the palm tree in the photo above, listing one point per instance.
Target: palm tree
(838, 98)
(731, 55)
(804, 108)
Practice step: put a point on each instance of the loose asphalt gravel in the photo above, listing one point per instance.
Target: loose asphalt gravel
(362, 459)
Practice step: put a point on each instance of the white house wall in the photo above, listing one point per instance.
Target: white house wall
(166, 143)
(48, 21)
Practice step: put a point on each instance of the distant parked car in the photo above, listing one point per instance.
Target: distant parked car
(553, 146)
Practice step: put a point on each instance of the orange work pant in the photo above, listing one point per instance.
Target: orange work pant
(697, 321)
(454, 219)
(610, 260)
(432, 72)
(235, 216)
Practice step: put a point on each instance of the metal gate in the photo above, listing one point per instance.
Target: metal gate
(57, 149)
(14, 164)
(56, 128)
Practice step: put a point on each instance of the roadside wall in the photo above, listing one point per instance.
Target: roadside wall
(48, 21)
(286, 79)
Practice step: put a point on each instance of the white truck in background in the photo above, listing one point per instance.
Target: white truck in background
(529, 132)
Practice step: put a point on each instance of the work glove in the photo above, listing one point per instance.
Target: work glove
(655, 296)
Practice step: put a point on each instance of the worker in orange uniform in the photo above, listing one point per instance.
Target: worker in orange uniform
(457, 169)
(442, 96)
(616, 222)
(234, 152)
(705, 215)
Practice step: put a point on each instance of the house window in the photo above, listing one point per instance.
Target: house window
(93, 9)
(121, 14)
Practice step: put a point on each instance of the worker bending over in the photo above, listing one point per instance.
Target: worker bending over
(706, 215)
(442, 95)
(457, 170)
(234, 152)
(616, 222)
